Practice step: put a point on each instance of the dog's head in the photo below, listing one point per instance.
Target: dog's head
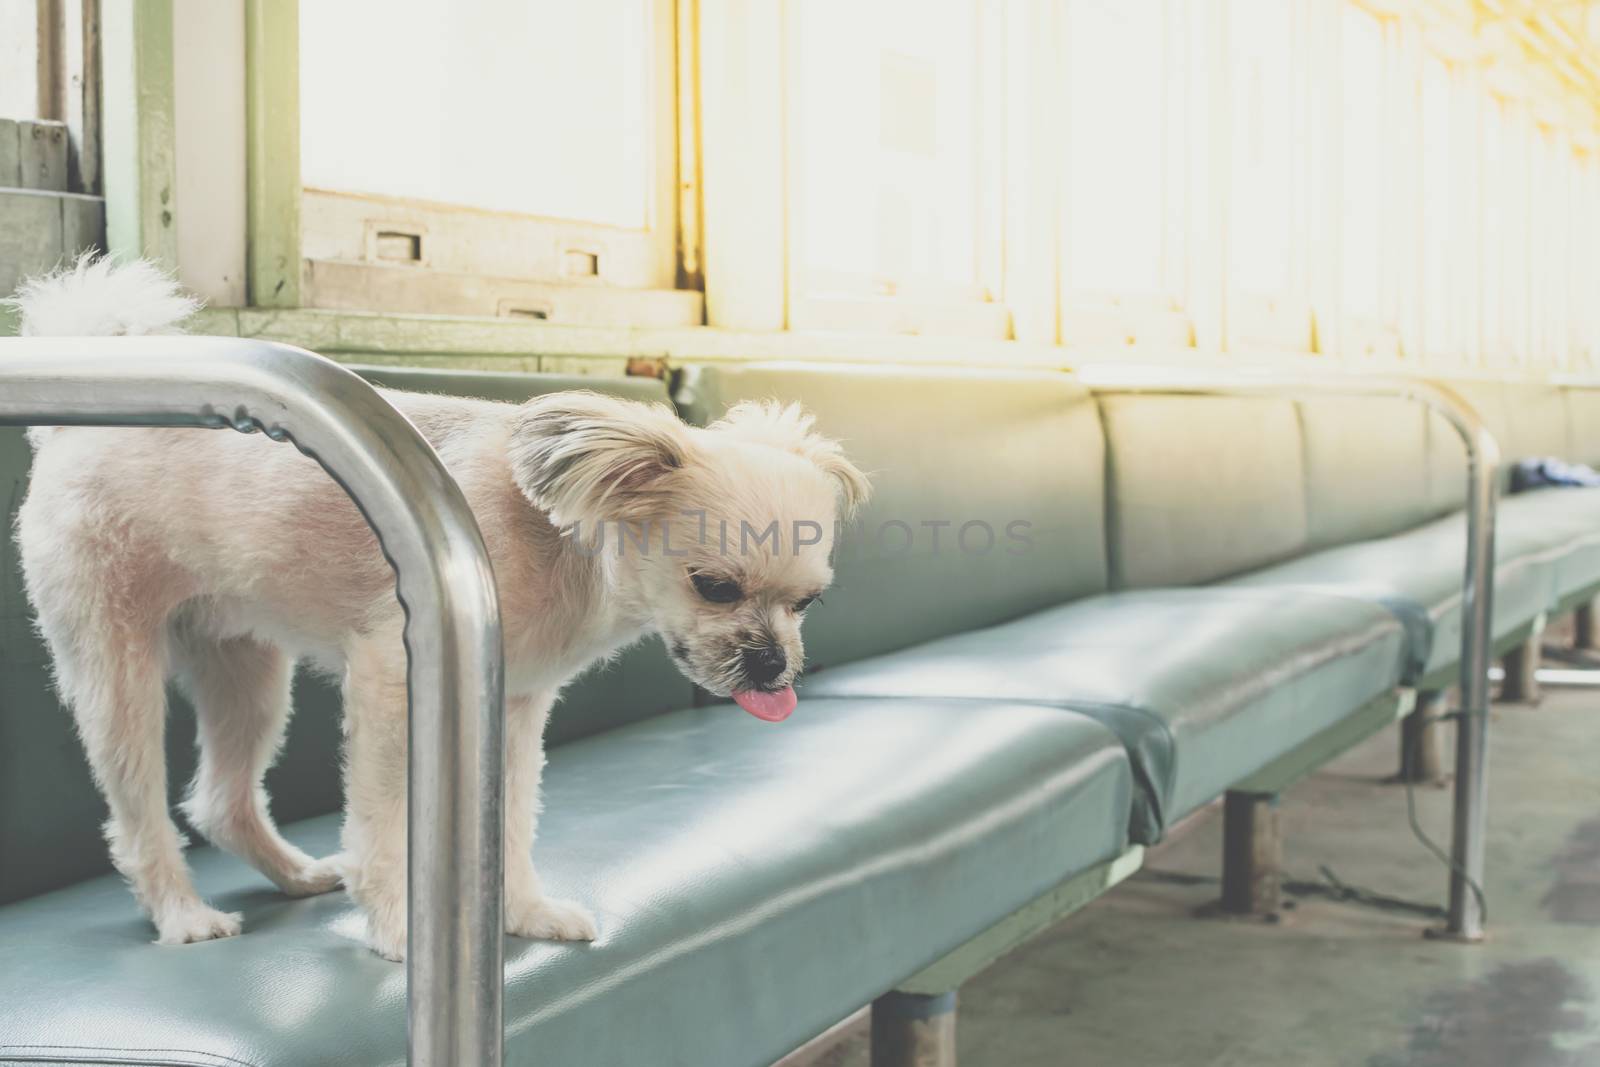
(721, 537)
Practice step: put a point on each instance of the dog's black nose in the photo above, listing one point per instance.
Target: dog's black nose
(764, 663)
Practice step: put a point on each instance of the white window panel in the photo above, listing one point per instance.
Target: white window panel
(1268, 302)
(1263, 96)
(1539, 246)
(1123, 196)
(891, 187)
(49, 138)
(1492, 221)
(20, 60)
(1117, 146)
(1585, 253)
(50, 95)
(1507, 211)
(1443, 238)
(518, 140)
(1362, 85)
(537, 107)
(1551, 226)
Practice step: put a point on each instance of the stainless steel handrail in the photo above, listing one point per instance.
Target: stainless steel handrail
(1465, 918)
(454, 960)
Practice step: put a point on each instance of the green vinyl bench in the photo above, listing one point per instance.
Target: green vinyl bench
(986, 740)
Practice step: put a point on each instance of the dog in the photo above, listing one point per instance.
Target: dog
(220, 560)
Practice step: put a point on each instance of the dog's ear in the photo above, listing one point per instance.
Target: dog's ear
(586, 458)
(789, 427)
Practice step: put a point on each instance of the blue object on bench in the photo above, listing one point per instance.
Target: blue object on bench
(1549, 472)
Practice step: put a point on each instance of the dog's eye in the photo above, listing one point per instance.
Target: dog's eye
(717, 590)
(806, 601)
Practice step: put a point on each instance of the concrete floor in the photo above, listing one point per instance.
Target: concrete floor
(1136, 981)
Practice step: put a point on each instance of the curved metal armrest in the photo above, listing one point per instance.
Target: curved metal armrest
(1483, 464)
(445, 585)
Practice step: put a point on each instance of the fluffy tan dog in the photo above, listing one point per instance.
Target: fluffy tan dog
(219, 560)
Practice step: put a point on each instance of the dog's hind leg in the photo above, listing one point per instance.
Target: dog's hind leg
(113, 677)
(240, 689)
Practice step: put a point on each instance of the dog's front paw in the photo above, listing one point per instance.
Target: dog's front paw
(317, 876)
(546, 919)
(195, 922)
(387, 939)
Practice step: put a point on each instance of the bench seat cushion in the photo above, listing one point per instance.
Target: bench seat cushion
(753, 885)
(1418, 575)
(1568, 518)
(1204, 686)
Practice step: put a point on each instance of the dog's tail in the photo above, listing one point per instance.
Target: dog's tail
(96, 297)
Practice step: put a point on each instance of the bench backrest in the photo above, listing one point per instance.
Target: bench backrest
(1201, 487)
(976, 448)
(1583, 424)
(1367, 469)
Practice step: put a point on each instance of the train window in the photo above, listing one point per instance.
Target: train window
(1358, 178)
(19, 61)
(419, 128)
(1584, 344)
(1519, 236)
(1119, 140)
(1123, 200)
(50, 81)
(1445, 239)
(1551, 230)
(893, 134)
(525, 151)
(1365, 296)
(1268, 301)
(1504, 222)
(1491, 228)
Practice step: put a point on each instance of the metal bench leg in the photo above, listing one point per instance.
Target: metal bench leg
(912, 1030)
(1583, 630)
(1521, 665)
(1421, 751)
(1252, 854)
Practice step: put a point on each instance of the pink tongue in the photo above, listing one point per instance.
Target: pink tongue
(769, 707)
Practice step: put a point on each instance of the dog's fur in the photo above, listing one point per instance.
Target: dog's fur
(219, 560)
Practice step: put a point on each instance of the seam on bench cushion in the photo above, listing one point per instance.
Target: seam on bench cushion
(134, 1057)
(1145, 828)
